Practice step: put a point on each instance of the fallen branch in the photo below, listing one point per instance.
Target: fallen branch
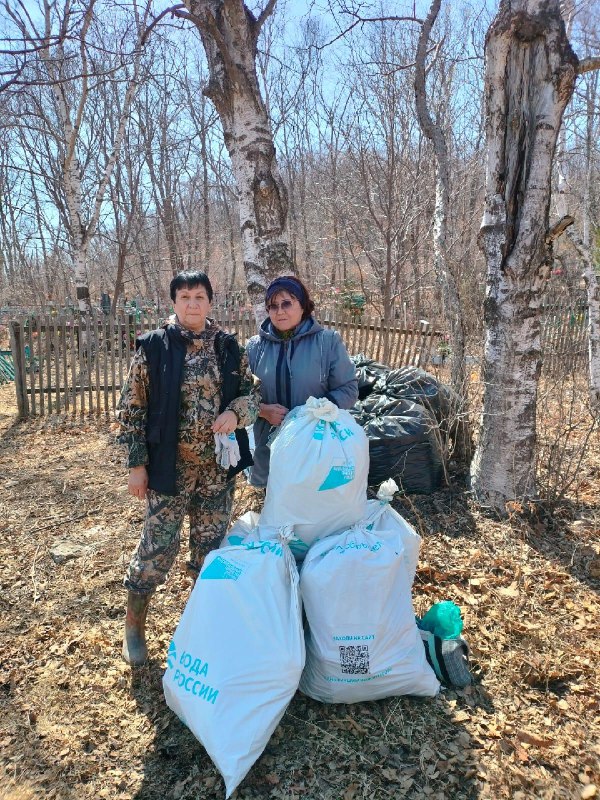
(64, 521)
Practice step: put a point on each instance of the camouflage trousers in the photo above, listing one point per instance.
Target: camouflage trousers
(204, 494)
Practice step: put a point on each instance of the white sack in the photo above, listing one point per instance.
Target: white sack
(246, 527)
(380, 516)
(237, 654)
(318, 473)
(363, 642)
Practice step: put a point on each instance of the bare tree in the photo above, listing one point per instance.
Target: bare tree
(229, 33)
(70, 66)
(384, 155)
(434, 131)
(581, 208)
(161, 115)
(228, 231)
(128, 206)
(530, 77)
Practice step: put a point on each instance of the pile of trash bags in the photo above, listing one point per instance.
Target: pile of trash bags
(406, 415)
(243, 647)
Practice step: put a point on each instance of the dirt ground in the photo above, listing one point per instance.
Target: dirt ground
(76, 722)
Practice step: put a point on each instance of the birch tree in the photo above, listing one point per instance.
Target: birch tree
(530, 78)
(581, 234)
(434, 131)
(229, 33)
(71, 68)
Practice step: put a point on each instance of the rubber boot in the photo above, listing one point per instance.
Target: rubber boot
(135, 651)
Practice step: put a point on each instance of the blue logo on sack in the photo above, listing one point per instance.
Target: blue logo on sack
(171, 655)
(234, 540)
(337, 432)
(319, 430)
(221, 570)
(338, 476)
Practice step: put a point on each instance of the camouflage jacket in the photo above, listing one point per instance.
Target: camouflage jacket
(200, 399)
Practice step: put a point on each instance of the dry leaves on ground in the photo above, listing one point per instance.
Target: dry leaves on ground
(77, 723)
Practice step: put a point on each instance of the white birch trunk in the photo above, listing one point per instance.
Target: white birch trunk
(530, 74)
(54, 59)
(593, 299)
(582, 246)
(81, 233)
(593, 296)
(592, 286)
(445, 278)
(229, 33)
(585, 250)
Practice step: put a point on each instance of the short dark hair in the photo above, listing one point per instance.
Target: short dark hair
(189, 280)
(302, 294)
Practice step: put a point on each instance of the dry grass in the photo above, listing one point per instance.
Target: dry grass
(77, 723)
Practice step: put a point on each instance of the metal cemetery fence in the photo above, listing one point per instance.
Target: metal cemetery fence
(76, 363)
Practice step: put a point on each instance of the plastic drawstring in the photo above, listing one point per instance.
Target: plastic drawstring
(285, 534)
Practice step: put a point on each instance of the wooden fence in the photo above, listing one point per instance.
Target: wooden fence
(564, 337)
(76, 363)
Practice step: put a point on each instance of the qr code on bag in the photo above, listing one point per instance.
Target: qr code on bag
(354, 659)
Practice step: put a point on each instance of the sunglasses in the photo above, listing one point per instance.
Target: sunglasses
(285, 305)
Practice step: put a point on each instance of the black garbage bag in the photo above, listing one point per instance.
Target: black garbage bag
(403, 443)
(378, 405)
(413, 383)
(368, 372)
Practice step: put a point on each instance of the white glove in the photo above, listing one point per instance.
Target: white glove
(227, 450)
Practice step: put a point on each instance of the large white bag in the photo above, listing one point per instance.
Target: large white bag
(318, 473)
(363, 642)
(237, 654)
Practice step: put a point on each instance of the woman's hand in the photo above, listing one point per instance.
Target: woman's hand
(226, 422)
(273, 413)
(138, 482)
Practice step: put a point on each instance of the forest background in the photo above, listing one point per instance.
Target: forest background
(358, 169)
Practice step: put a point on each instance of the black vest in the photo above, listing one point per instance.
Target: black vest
(165, 351)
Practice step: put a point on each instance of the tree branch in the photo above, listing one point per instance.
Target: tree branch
(176, 11)
(263, 16)
(420, 72)
(361, 20)
(559, 228)
(588, 65)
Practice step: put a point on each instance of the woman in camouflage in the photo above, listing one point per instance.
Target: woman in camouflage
(188, 381)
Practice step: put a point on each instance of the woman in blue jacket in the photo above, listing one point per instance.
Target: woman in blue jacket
(295, 358)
